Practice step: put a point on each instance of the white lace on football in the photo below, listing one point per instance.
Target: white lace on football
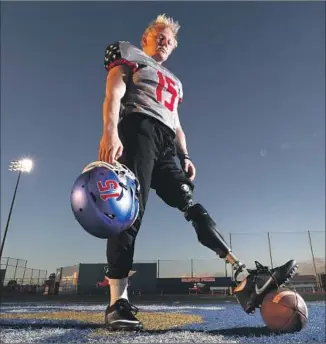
(116, 167)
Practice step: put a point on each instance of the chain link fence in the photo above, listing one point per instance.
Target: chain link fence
(268, 248)
(16, 273)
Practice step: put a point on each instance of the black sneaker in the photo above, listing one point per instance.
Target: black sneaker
(252, 290)
(120, 316)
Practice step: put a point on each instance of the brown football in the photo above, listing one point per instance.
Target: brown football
(284, 311)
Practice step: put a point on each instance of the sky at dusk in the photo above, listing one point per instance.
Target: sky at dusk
(253, 111)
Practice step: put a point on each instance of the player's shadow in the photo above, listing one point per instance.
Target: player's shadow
(231, 332)
(243, 331)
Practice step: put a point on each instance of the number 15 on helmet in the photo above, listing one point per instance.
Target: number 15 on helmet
(104, 199)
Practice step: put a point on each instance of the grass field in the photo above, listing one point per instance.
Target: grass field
(225, 322)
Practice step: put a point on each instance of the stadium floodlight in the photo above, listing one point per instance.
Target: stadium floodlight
(23, 165)
(20, 166)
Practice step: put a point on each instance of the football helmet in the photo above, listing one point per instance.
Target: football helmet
(104, 199)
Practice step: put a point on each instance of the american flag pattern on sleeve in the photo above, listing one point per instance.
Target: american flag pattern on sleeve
(114, 58)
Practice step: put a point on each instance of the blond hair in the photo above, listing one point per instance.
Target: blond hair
(167, 22)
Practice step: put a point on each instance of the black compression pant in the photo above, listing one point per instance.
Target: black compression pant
(149, 152)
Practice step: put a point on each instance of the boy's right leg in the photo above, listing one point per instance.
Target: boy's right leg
(138, 138)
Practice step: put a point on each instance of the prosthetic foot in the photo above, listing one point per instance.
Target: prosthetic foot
(252, 290)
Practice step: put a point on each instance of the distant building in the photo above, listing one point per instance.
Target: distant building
(307, 283)
(89, 279)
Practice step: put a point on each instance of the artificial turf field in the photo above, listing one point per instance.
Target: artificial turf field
(173, 322)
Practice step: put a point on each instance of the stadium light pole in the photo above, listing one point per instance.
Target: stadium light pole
(23, 165)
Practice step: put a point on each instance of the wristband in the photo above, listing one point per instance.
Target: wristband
(184, 157)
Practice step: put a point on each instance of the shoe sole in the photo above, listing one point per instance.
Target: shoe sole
(290, 274)
(124, 327)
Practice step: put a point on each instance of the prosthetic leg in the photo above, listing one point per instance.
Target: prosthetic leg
(206, 231)
(252, 288)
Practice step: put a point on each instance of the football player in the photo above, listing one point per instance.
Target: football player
(142, 129)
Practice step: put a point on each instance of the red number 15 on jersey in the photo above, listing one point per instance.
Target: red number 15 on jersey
(165, 81)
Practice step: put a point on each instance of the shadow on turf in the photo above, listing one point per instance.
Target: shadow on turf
(235, 331)
(243, 331)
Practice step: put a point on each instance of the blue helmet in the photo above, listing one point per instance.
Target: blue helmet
(104, 199)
